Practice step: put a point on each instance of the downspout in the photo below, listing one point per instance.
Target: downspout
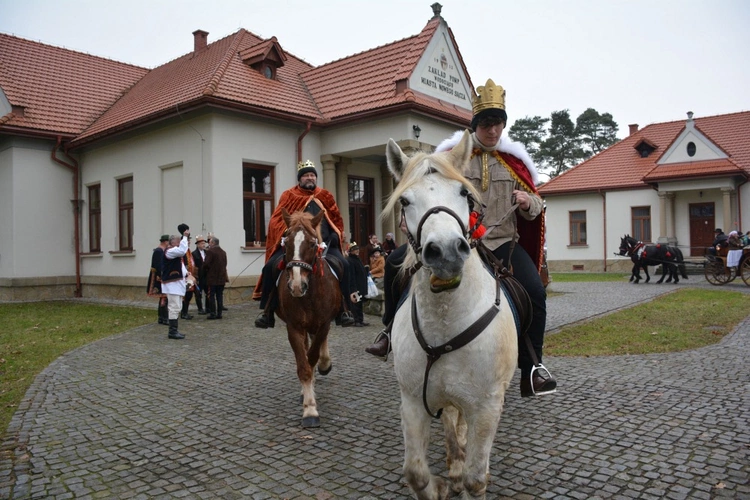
(299, 141)
(73, 167)
(604, 217)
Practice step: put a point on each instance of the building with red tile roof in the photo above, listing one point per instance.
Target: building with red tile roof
(101, 157)
(672, 182)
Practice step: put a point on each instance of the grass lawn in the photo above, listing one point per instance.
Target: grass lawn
(35, 334)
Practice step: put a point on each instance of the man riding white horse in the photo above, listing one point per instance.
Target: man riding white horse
(504, 174)
(308, 197)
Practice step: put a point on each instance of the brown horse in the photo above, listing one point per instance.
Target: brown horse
(309, 299)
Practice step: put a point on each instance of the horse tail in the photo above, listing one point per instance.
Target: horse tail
(681, 263)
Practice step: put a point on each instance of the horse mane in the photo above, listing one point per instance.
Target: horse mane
(419, 165)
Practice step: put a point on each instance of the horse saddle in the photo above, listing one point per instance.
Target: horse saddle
(520, 302)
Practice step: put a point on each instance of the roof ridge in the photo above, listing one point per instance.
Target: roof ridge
(419, 44)
(221, 69)
(58, 47)
(363, 52)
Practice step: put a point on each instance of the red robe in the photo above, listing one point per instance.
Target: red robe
(296, 199)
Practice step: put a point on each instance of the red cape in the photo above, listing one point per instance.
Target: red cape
(296, 199)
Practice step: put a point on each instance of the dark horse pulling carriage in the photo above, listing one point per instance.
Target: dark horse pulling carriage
(669, 257)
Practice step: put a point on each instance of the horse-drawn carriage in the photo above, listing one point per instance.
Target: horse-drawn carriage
(725, 265)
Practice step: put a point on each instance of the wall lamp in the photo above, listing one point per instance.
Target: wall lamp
(417, 130)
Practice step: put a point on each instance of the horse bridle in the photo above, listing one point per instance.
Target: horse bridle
(301, 263)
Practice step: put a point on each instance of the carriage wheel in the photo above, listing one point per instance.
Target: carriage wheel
(717, 273)
(745, 270)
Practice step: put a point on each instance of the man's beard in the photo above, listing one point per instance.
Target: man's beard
(309, 185)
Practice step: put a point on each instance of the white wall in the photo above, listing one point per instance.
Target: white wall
(6, 210)
(558, 227)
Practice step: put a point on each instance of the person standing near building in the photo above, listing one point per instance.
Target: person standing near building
(191, 282)
(389, 244)
(215, 266)
(173, 278)
(357, 285)
(199, 255)
(153, 288)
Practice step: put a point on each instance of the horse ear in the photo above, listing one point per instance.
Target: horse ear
(396, 159)
(286, 216)
(316, 220)
(461, 153)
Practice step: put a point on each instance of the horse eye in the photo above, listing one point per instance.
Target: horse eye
(404, 202)
(464, 192)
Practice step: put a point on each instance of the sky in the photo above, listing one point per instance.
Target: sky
(643, 61)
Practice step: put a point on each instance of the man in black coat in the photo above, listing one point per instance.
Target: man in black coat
(216, 277)
(357, 285)
(199, 255)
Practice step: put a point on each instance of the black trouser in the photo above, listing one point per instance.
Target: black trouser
(392, 288)
(358, 312)
(215, 299)
(525, 271)
(186, 301)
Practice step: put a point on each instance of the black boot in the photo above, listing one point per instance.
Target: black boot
(345, 318)
(173, 333)
(265, 320)
(163, 314)
(382, 345)
(184, 314)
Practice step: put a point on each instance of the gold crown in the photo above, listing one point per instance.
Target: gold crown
(305, 164)
(490, 96)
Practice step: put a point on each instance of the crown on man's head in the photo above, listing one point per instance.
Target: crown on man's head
(305, 164)
(490, 96)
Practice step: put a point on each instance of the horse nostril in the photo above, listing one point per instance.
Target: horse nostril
(431, 251)
(463, 246)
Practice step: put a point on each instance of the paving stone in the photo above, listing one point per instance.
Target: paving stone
(218, 416)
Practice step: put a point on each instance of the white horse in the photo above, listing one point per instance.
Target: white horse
(451, 293)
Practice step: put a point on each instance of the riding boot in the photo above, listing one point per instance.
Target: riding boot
(266, 318)
(173, 333)
(541, 382)
(163, 314)
(382, 345)
(185, 305)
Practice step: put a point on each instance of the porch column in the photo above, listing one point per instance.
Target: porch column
(342, 193)
(727, 224)
(671, 228)
(663, 202)
(329, 174)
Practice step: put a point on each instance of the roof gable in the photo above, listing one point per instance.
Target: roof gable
(691, 145)
(621, 167)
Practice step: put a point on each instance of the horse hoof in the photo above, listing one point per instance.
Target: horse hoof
(325, 372)
(311, 422)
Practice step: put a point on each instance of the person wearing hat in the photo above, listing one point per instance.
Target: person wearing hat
(720, 241)
(377, 262)
(309, 197)
(505, 175)
(199, 255)
(174, 278)
(153, 288)
(192, 279)
(357, 285)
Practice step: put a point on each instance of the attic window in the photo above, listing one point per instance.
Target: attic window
(268, 72)
(644, 148)
(691, 149)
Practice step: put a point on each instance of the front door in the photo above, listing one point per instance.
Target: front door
(701, 228)
(361, 209)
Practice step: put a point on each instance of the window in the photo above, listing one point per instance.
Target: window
(691, 149)
(95, 218)
(257, 202)
(577, 228)
(125, 210)
(641, 222)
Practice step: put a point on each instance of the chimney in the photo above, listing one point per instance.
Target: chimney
(633, 128)
(200, 40)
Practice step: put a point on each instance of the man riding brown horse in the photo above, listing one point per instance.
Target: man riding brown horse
(306, 196)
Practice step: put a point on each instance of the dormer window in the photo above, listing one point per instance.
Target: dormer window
(691, 149)
(265, 58)
(644, 147)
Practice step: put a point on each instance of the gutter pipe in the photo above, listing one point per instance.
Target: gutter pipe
(308, 126)
(73, 167)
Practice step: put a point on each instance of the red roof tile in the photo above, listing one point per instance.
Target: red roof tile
(114, 96)
(621, 166)
(61, 91)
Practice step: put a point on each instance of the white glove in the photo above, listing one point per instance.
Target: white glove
(283, 240)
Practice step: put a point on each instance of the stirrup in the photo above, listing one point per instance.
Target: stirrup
(543, 369)
(383, 333)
